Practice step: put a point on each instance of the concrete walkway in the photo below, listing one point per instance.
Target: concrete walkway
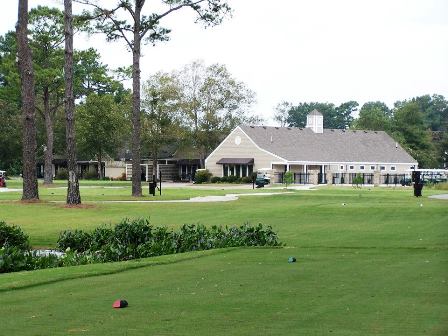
(441, 196)
(8, 189)
(201, 199)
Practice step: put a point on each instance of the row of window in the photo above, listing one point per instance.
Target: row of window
(367, 167)
(237, 170)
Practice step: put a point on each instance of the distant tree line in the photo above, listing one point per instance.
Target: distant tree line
(193, 107)
(419, 124)
(37, 74)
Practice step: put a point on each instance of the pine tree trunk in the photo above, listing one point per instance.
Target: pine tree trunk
(154, 164)
(100, 167)
(48, 154)
(73, 196)
(136, 157)
(30, 188)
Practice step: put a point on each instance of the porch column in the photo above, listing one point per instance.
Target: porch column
(322, 179)
(287, 167)
(329, 176)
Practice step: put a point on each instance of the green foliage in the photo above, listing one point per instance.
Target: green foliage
(374, 116)
(202, 176)
(13, 236)
(132, 239)
(161, 120)
(410, 131)
(61, 174)
(77, 240)
(213, 103)
(101, 126)
(357, 180)
(339, 117)
(247, 179)
(288, 178)
(215, 179)
(231, 179)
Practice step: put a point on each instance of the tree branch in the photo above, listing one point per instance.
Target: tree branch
(172, 9)
(107, 14)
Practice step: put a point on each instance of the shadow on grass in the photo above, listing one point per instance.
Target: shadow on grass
(110, 268)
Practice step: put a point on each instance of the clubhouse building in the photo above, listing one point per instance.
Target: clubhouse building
(315, 155)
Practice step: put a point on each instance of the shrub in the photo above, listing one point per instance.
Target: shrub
(101, 236)
(358, 180)
(288, 178)
(233, 179)
(13, 236)
(61, 174)
(132, 239)
(202, 176)
(13, 259)
(246, 179)
(215, 179)
(77, 240)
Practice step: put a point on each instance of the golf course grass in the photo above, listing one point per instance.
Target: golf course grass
(369, 262)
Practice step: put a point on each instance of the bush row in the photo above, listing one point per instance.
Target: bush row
(130, 239)
(204, 176)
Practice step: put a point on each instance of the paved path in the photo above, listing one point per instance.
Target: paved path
(8, 189)
(202, 199)
(441, 196)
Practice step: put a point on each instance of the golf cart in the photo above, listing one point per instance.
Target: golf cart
(263, 177)
(2, 179)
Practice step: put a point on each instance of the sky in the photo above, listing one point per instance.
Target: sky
(301, 51)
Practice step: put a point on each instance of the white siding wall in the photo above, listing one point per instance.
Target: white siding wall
(399, 168)
(246, 149)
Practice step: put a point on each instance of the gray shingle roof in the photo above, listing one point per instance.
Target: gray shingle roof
(333, 145)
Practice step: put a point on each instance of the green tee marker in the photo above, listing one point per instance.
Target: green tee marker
(291, 259)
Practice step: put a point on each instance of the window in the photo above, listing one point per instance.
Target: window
(382, 168)
(231, 170)
(237, 170)
(225, 169)
(372, 167)
(341, 167)
(351, 167)
(393, 168)
(361, 167)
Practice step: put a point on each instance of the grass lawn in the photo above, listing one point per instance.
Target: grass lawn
(375, 266)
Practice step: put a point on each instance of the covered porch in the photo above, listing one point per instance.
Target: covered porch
(303, 173)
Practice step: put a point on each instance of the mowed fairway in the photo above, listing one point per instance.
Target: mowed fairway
(375, 266)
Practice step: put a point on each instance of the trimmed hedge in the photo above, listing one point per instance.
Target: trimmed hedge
(130, 239)
(138, 239)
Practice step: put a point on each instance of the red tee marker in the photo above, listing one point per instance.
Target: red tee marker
(120, 304)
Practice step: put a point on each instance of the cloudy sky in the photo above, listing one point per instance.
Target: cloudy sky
(297, 50)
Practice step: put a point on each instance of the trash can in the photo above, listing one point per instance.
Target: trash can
(418, 189)
(152, 188)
